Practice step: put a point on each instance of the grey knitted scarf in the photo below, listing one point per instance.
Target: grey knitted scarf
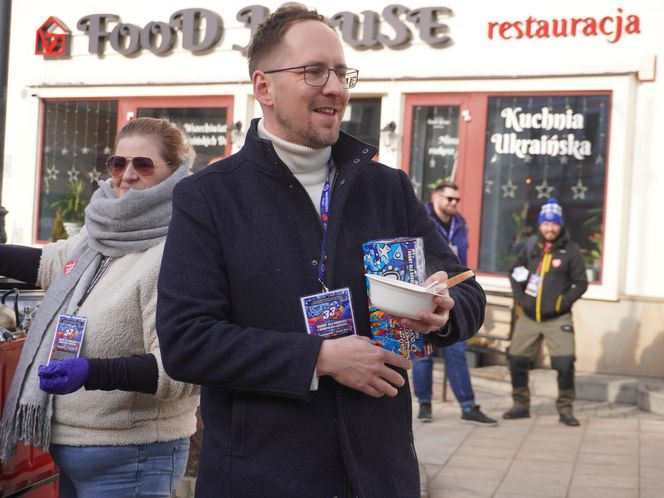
(115, 227)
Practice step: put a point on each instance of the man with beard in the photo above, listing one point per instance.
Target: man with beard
(257, 236)
(548, 277)
(451, 225)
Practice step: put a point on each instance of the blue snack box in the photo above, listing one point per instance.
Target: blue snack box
(402, 259)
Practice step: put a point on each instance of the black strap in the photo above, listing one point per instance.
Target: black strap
(103, 265)
(4, 296)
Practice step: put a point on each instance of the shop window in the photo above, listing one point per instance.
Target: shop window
(539, 147)
(434, 149)
(362, 120)
(206, 129)
(77, 138)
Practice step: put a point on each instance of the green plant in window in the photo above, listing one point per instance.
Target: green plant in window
(522, 230)
(592, 249)
(440, 181)
(72, 204)
(593, 254)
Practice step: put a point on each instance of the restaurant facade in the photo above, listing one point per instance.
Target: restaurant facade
(517, 102)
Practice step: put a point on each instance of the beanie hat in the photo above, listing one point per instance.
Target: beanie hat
(551, 211)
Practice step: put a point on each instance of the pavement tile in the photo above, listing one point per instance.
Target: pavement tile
(501, 464)
(547, 455)
(607, 469)
(605, 458)
(545, 472)
(609, 481)
(606, 446)
(650, 493)
(597, 492)
(458, 483)
(652, 478)
(530, 487)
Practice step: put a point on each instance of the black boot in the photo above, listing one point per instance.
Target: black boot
(425, 412)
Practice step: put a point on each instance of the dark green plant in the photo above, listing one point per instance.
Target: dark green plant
(72, 205)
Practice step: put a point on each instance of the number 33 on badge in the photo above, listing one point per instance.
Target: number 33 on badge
(329, 314)
(68, 337)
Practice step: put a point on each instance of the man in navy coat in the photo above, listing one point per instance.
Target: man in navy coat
(287, 413)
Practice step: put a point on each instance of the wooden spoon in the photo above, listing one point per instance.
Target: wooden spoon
(450, 282)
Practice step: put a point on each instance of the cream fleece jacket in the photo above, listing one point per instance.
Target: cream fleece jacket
(121, 322)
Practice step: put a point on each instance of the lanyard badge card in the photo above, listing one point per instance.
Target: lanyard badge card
(329, 314)
(68, 337)
(70, 328)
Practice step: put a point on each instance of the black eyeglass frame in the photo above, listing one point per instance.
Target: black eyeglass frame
(350, 77)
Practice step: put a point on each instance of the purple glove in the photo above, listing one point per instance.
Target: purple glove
(65, 376)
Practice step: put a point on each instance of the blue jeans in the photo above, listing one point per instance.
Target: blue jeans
(152, 470)
(457, 373)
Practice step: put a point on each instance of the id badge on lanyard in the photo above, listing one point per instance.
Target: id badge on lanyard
(534, 282)
(70, 328)
(329, 313)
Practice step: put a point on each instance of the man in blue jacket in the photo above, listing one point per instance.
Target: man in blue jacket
(443, 210)
(287, 413)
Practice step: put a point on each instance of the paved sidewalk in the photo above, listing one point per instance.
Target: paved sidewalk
(617, 452)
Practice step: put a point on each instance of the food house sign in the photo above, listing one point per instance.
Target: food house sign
(201, 30)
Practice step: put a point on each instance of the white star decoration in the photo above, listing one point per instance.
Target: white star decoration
(85, 150)
(432, 163)
(47, 149)
(94, 176)
(73, 174)
(508, 189)
(563, 160)
(107, 150)
(51, 173)
(487, 186)
(544, 190)
(65, 150)
(528, 159)
(579, 190)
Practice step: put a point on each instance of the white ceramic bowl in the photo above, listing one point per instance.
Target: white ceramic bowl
(398, 298)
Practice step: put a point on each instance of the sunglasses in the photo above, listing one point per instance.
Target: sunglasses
(452, 199)
(144, 166)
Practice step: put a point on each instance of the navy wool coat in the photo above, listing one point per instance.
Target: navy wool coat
(243, 247)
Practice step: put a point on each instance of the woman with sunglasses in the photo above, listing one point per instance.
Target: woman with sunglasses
(114, 422)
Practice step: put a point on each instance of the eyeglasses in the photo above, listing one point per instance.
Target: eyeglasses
(452, 199)
(144, 166)
(317, 75)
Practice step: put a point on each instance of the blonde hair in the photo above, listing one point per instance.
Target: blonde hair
(173, 144)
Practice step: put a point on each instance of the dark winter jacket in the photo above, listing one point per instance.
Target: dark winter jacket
(243, 247)
(457, 235)
(563, 273)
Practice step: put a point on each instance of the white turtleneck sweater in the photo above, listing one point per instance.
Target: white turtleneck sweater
(309, 165)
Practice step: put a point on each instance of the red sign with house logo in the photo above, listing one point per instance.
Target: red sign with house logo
(53, 39)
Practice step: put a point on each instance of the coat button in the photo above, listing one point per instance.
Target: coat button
(314, 262)
(355, 161)
(342, 181)
(365, 151)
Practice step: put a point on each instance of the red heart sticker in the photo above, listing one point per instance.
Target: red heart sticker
(69, 266)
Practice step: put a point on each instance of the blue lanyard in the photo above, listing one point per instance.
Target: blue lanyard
(447, 235)
(325, 197)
